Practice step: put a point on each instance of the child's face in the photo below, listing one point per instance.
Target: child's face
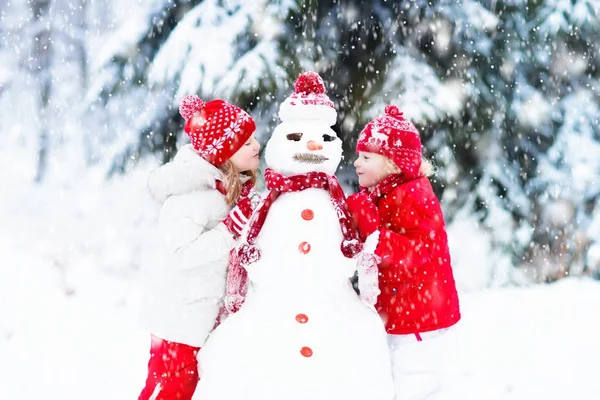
(246, 158)
(372, 168)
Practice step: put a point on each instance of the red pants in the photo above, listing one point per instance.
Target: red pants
(172, 371)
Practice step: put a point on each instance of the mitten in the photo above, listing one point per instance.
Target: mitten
(238, 217)
(364, 213)
(237, 284)
(368, 272)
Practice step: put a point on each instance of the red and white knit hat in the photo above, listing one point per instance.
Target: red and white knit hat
(216, 129)
(394, 137)
(309, 101)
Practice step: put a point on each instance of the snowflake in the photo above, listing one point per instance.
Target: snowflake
(233, 129)
(214, 148)
(244, 117)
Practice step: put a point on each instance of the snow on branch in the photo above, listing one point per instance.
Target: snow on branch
(564, 15)
(422, 95)
(201, 54)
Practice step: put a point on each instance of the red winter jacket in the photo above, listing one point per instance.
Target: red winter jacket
(418, 293)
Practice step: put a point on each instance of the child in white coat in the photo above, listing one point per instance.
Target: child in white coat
(198, 227)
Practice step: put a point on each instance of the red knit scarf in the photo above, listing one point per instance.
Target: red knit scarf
(277, 184)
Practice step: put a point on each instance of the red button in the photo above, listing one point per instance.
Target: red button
(304, 247)
(306, 351)
(302, 318)
(308, 214)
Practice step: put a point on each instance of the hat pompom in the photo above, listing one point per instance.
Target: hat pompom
(393, 111)
(190, 105)
(310, 82)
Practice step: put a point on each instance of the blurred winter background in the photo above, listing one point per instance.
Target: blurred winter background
(506, 94)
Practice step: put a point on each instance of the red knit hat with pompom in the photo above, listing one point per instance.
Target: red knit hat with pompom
(394, 137)
(216, 129)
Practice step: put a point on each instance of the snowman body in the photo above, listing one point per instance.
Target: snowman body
(302, 333)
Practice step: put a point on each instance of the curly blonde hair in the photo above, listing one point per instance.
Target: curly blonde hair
(427, 168)
(232, 180)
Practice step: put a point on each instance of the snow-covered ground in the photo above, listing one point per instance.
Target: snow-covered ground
(68, 303)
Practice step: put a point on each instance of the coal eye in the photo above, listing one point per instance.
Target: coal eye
(328, 138)
(294, 136)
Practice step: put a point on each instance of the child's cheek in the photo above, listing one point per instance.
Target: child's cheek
(367, 178)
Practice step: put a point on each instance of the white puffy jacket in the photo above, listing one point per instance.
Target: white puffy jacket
(184, 290)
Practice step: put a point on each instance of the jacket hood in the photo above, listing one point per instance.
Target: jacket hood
(187, 173)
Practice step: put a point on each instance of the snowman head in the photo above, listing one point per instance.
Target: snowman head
(304, 141)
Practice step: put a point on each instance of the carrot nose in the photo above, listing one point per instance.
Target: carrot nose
(313, 146)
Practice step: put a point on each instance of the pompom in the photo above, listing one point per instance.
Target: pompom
(393, 111)
(310, 82)
(190, 105)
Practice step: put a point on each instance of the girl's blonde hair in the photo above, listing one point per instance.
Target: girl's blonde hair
(232, 181)
(427, 168)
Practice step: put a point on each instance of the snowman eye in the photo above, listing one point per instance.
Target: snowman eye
(328, 138)
(294, 136)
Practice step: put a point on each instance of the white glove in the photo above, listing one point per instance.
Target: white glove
(368, 272)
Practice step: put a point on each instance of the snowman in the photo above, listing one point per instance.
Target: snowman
(302, 333)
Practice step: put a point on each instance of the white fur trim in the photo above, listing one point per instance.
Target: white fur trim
(294, 112)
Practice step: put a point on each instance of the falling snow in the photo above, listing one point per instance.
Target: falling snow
(505, 95)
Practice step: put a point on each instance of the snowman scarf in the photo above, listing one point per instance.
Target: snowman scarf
(249, 252)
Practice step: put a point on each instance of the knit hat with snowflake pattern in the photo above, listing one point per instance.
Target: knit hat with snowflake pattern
(216, 129)
(395, 137)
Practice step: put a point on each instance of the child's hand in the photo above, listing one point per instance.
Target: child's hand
(365, 214)
(238, 217)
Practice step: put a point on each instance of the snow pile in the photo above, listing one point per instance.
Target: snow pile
(69, 254)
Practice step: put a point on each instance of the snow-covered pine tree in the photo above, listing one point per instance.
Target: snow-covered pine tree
(354, 45)
(119, 98)
(7, 65)
(216, 49)
(41, 68)
(44, 51)
(228, 50)
(490, 158)
(484, 81)
(565, 114)
(540, 65)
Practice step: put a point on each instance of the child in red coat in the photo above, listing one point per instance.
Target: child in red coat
(398, 211)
